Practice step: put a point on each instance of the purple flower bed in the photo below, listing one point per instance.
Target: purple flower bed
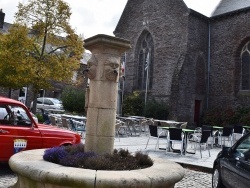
(74, 156)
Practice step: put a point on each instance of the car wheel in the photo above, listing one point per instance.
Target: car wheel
(216, 179)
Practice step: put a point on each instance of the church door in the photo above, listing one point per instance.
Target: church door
(197, 107)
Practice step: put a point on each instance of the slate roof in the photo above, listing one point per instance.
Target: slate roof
(228, 6)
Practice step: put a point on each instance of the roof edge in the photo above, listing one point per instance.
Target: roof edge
(229, 13)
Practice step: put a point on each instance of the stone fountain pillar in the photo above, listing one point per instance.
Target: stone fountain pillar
(103, 72)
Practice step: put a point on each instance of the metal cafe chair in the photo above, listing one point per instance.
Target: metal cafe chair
(53, 121)
(133, 127)
(175, 135)
(76, 127)
(202, 140)
(65, 123)
(120, 129)
(211, 139)
(153, 130)
(237, 131)
(226, 132)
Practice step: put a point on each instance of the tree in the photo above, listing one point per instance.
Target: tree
(56, 49)
(14, 59)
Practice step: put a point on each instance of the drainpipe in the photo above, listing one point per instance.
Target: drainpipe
(209, 61)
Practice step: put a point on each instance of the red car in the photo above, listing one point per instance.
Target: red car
(19, 131)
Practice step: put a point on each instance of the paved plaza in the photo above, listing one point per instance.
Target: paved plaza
(136, 143)
(196, 168)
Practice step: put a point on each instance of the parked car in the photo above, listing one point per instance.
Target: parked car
(19, 131)
(232, 166)
(48, 103)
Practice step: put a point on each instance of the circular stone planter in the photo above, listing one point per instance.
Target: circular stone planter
(33, 171)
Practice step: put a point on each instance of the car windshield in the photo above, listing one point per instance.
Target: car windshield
(14, 115)
(21, 112)
(56, 101)
(244, 146)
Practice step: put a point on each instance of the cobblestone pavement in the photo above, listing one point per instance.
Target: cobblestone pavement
(7, 177)
(192, 179)
(195, 179)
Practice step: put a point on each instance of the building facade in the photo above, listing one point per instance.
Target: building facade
(190, 61)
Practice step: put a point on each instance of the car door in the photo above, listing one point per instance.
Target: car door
(235, 168)
(47, 103)
(17, 133)
(243, 163)
(39, 104)
(230, 174)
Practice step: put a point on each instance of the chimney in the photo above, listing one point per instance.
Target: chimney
(2, 15)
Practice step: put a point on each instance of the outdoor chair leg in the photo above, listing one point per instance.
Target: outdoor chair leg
(181, 148)
(195, 145)
(147, 143)
(118, 135)
(208, 151)
(157, 143)
(168, 146)
(200, 151)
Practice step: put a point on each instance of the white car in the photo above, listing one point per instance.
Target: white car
(48, 103)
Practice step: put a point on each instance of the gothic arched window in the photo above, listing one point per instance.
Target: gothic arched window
(245, 67)
(145, 61)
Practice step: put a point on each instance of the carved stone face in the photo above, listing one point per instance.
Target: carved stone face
(111, 69)
(92, 64)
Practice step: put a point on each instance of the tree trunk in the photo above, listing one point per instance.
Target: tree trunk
(33, 110)
(9, 93)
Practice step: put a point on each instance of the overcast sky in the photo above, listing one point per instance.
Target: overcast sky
(91, 17)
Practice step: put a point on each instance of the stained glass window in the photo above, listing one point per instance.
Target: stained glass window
(145, 62)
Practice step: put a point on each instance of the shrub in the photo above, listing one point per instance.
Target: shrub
(73, 100)
(213, 117)
(227, 116)
(133, 104)
(156, 110)
(74, 156)
(40, 118)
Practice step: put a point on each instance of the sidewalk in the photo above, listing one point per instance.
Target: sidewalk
(138, 143)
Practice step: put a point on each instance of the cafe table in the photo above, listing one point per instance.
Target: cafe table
(217, 127)
(186, 132)
(247, 128)
(75, 117)
(168, 122)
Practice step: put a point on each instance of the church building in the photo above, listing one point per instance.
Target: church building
(191, 61)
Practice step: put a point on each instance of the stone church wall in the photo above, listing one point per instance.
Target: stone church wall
(167, 23)
(229, 34)
(183, 76)
(175, 33)
(191, 78)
